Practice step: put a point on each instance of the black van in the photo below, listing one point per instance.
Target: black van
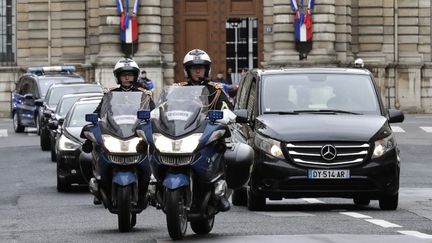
(318, 132)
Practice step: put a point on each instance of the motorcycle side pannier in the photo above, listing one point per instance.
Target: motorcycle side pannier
(238, 159)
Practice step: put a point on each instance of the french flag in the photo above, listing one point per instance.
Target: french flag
(128, 23)
(303, 21)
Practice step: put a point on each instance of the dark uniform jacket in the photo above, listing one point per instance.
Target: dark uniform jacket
(218, 99)
(121, 89)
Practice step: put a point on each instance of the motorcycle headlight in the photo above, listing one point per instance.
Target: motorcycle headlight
(180, 146)
(114, 145)
(382, 146)
(66, 144)
(268, 145)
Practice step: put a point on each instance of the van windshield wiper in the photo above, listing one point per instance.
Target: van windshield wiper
(282, 112)
(327, 111)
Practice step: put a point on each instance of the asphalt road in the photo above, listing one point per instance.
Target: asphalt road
(31, 209)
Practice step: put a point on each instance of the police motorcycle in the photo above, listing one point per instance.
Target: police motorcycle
(191, 159)
(121, 175)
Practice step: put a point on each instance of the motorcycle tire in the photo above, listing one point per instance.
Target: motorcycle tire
(124, 208)
(45, 140)
(176, 214)
(202, 226)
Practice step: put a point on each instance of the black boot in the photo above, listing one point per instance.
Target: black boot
(96, 201)
(224, 204)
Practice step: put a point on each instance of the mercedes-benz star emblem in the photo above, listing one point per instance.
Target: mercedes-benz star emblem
(328, 152)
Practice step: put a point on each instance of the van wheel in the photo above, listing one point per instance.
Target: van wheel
(389, 202)
(255, 202)
(239, 197)
(16, 124)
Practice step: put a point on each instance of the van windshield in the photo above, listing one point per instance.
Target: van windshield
(319, 92)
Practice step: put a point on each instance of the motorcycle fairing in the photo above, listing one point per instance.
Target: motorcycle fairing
(124, 178)
(174, 181)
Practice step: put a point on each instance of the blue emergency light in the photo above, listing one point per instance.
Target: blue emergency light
(42, 70)
(93, 118)
(214, 115)
(143, 114)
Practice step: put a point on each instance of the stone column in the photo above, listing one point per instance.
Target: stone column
(283, 35)
(324, 35)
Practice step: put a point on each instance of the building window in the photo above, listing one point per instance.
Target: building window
(7, 32)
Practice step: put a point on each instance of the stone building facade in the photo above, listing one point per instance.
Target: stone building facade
(393, 37)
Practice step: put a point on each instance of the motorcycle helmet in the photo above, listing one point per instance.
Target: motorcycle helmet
(197, 57)
(358, 63)
(126, 65)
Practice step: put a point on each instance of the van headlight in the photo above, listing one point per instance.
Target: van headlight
(383, 145)
(66, 144)
(268, 145)
(115, 145)
(185, 145)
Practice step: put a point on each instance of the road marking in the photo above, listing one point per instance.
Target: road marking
(427, 129)
(285, 214)
(356, 215)
(397, 129)
(383, 223)
(312, 200)
(416, 234)
(3, 133)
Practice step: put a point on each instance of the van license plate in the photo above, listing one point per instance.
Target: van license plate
(328, 174)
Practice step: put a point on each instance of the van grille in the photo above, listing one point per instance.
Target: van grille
(124, 159)
(175, 160)
(312, 153)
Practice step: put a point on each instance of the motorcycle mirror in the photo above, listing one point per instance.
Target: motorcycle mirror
(242, 116)
(215, 115)
(87, 147)
(93, 118)
(143, 114)
(141, 147)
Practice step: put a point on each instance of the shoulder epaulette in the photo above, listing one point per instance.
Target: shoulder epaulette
(181, 84)
(106, 90)
(216, 85)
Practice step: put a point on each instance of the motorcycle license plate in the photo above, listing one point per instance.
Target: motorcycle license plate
(328, 174)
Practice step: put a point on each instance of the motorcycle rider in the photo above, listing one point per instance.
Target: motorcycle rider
(197, 69)
(126, 72)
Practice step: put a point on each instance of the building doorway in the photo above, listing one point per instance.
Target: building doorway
(241, 45)
(208, 25)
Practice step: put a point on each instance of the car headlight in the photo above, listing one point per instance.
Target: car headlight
(181, 146)
(66, 144)
(382, 146)
(268, 145)
(114, 145)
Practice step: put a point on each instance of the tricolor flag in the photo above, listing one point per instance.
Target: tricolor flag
(128, 25)
(303, 21)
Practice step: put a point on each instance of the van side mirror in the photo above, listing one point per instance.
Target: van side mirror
(53, 125)
(60, 121)
(395, 116)
(39, 102)
(242, 116)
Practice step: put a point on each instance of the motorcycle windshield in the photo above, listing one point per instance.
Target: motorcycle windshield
(180, 109)
(119, 112)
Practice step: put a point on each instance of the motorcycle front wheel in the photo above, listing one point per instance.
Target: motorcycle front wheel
(124, 214)
(176, 214)
(202, 226)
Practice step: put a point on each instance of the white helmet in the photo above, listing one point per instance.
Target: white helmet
(126, 64)
(197, 57)
(358, 63)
